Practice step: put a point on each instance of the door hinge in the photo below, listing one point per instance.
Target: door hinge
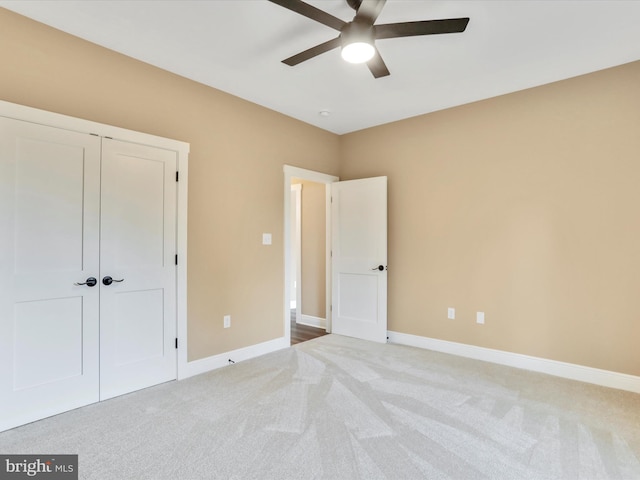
(176, 343)
(176, 259)
(177, 175)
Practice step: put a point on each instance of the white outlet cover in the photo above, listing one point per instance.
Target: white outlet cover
(451, 313)
(480, 317)
(227, 321)
(266, 239)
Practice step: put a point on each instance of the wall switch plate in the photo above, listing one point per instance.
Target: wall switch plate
(227, 321)
(480, 317)
(266, 239)
(451, 313)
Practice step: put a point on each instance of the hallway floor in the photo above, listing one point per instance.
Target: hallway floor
(302, 333)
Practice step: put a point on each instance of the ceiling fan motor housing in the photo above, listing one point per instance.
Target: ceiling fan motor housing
(357, 31)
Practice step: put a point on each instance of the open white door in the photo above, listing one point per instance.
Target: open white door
(359, 258)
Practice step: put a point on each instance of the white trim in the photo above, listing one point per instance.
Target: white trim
(290, 173)
(296, 191)
(328, 285)
(310, 175)
(214, 362)
(605, 378)
(42, 117)
(65, 122)
(181, 273)
(311, 321)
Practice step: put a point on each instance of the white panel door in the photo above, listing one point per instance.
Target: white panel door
(359, 258)
(138, 247)
(49, 241)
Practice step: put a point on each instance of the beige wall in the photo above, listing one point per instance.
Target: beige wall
(236, 178)
(525, 207)
(314, 251)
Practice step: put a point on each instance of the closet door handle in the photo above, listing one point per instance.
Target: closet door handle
(90, 282)
(108, 280)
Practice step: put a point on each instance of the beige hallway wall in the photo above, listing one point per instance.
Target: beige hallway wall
(236, 178)
(313, 248)
(524, 207)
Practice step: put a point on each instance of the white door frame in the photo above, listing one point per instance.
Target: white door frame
(296, 195)
(34, 115)
(312, 176)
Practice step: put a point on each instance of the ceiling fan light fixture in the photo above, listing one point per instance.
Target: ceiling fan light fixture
(358, 52)
(357, 42)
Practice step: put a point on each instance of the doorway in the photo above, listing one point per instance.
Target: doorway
(307, 307)
(355, 254)
(308, 243)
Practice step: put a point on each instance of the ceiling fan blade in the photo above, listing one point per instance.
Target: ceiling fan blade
(311, 12)
(369, 10)
(425, 27)
(377, 66)
(312, 52)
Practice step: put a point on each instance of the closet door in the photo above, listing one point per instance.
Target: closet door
(49, 240)
(138, 247)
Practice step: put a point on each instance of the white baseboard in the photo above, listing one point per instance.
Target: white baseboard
(311, 321)
(222, 360)
(571, 371)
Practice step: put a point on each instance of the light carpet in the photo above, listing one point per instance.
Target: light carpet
(341, 408)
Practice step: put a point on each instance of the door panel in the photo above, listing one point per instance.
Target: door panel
(359, 246)
(138, 245)
(40, 359)
(139, 331)
(136, 207)
(356, 291)
(49, 240)
(49, 185)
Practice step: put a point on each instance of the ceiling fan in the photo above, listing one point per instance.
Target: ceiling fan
(357, 37)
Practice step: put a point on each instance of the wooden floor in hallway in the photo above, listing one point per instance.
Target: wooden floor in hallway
(302, 333)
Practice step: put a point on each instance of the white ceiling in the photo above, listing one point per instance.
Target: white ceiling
(237, 46)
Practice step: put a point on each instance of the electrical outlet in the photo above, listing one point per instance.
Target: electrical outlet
(451, 313)
(227, 321)
(480, 318)
(266, 239)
